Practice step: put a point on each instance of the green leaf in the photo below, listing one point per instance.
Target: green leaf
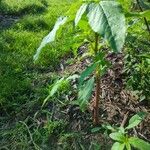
(56, 86)
(139, 14)
(51, 36)
(96, 129)
(146, 14)
(80, 12)
(85, 93)
(135, 120)
(117, 136)
(139, 144)
(128, 146)
(107, 19)
(53, 90)
(118, 146)
(86, 73)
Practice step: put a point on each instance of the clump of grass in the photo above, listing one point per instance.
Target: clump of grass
(21, 93)
(13, 7)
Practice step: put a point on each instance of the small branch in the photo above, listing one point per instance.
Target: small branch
(97, 90)
(31, 138)
(145, 138)
(124, 119)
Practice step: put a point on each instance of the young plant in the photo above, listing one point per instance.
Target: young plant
(107, 21)
(122, 138)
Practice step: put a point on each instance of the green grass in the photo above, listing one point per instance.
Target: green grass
(23, 83)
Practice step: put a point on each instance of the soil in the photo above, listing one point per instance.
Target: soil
(7, 20)
(117, 104)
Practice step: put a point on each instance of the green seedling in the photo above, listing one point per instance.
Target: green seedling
(106, 20)
(122, 138)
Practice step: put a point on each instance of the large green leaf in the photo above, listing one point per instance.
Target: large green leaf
(139, 144)
(80, 12)
(118, 146)
(51, 36)
(86, 73)
(128, 146)
(107, 19)
(135, 120)
(85, 92)
(117, 136)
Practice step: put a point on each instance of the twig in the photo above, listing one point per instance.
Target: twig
(144, 137)
(124, 119)
(31, 138)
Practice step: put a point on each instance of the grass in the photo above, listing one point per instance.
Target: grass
(24, 85)
(22, 90)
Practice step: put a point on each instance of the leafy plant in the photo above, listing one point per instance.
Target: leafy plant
(122, 138)
(106, 19)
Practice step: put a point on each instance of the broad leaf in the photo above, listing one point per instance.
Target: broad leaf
(86, 73)
(118, 146)
(107, 19)
(117, 136)
(135, 120)
(80, 12)
(53, 90)
(139, 144)
(128, 146)
(51, 36)
(85, 93)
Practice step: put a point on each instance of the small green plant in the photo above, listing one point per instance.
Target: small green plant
(122, 138)
(106, 21)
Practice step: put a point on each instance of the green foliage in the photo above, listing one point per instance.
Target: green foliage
(137, 69)
(139, 144)
(135, 120)
(118, 146)
(122, 138)
(107, 19)
(23, 84)
(80, 12)
(21, 6)
(85, 93)
(51, 36)
(59, 85)
(103, 23)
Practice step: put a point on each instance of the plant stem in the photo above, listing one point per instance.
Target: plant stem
(146, 22)
(97, 90)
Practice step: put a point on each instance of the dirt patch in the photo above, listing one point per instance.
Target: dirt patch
(7, 21)
(117, 104)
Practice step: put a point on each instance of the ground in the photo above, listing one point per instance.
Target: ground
(24, 123)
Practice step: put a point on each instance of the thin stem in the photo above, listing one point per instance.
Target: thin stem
(97, 90)
(146, 22)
